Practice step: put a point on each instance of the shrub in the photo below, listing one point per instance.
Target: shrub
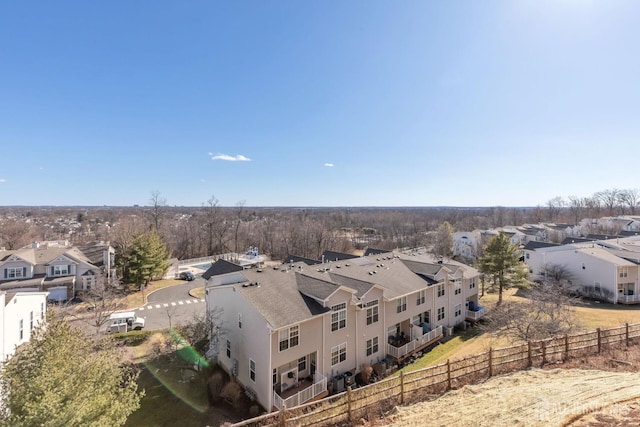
(133, 338)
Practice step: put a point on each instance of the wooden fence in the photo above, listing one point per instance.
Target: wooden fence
(428, 383)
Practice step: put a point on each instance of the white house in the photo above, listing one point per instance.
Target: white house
(296, 332)
(609, 268)
(20, 313)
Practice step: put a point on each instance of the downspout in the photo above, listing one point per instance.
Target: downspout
(357, 338)
(270, 371)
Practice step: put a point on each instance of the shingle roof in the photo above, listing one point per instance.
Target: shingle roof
(570, 240)
(373, 251)
(296, 258)
(219, 267)
(532, 245)
(337, 256)
(277, 298)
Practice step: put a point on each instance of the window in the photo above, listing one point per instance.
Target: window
(339, 354)
(302, 364)
(472, 283)
(458, 310)
(597, 287)
(15, 272)
(441, 290)
(41, 310)
(421, 318)
(274, 377)
(624, 272)
(401, 304)
(31, 321)
(372, 346)
(457, 287)
(240, 320)
(88, 282)
(339, 316)
(526, 255)
(372, 312)
(21, 329)
(289, 337)
(252, 370)
(441, 313)
(60, 270)
(422, 296)
(229, 349)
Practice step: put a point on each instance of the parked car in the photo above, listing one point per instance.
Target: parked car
(187, 275)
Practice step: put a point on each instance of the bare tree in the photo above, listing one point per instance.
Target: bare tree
(577, 208)
(158, 205)
(554, 207)
(631, 199)
(443, 241)
(547, 312)
(14, 234)
(609, 199)
(104, 298)
(239, 217)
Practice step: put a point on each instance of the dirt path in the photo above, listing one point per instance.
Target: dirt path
(530, 398)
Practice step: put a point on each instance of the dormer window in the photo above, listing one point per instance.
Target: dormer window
(60, 270)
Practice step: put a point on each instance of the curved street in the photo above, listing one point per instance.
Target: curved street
(172, 305)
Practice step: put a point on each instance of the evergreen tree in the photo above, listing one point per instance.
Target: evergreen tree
(146, 259)
(501, 262)
(60, 378)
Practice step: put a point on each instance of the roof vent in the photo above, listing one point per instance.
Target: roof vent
(259, 270)
(275, 267)
(347, 265)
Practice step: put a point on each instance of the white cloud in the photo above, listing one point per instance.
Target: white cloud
(2, 180)
(329, 165)
(237, 158)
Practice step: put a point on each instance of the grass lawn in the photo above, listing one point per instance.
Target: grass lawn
(175, 395)
(197, 292)
(590, 315)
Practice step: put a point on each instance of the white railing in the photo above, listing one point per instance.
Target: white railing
(411, 346)
(211, 258)
(475, 315)
(628, 299)
(319, 387)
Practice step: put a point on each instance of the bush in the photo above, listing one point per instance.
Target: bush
(232, 393)
(133, 338)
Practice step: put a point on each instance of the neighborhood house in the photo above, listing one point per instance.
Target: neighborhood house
(298, 331)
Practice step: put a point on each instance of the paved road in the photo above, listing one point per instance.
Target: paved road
(172, 304)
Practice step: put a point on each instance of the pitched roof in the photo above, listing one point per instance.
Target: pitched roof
(533, 245)
(277, 297)
(373, 251)
(570, 240)
(337, 256)
(219, 267)
(296, 258)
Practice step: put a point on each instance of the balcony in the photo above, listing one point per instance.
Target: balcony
(629, 299)
(400, 352)
(305, 392)
(475, 315)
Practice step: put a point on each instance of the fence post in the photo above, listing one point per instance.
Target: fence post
(544, 352)
(599, 341)
(529, 355)
(626, 333)
(566, 348)
(349, 405)
(490, 362)
(448, 375)
(283, 416)
(402, 387)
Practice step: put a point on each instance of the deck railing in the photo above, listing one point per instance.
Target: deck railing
(305, 395)
(411, 346)
(475, 315)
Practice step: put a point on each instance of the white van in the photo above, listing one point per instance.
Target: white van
(124, 322)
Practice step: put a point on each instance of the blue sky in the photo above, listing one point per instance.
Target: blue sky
(317, 103)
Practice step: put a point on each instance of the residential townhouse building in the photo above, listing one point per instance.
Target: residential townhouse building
(609, 268)
(59, 270)
(296, 332)
(20, 314)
